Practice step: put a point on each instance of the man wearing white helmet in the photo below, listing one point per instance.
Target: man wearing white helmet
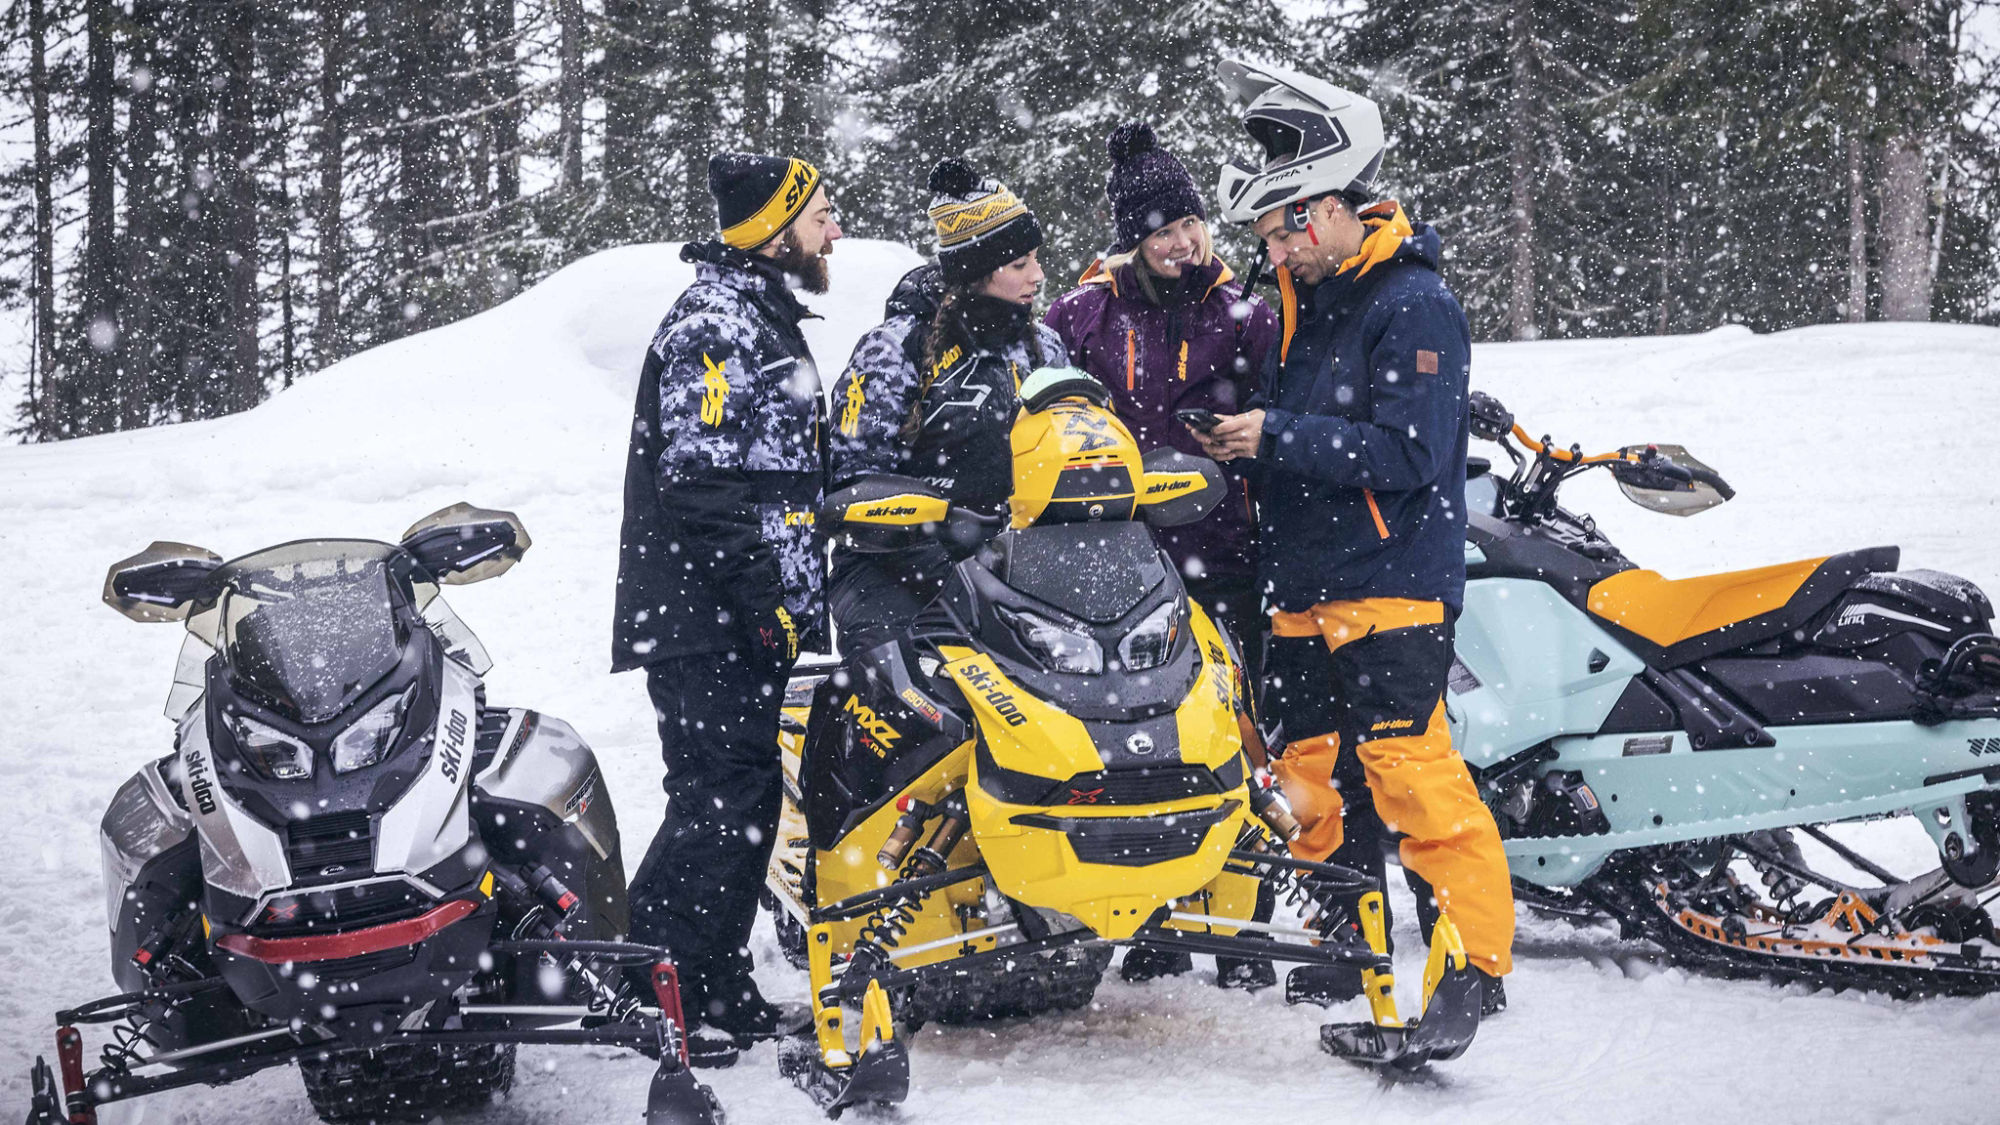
(1361, 443)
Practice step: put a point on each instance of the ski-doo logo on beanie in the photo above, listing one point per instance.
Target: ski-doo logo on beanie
(981, 226)
(1149, 186)
(757, 196)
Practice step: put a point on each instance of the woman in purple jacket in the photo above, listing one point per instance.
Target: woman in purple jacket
(1161, 321)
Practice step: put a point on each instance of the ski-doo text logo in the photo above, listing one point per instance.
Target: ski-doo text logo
(979, 679)
(881, 510)
(451, 752)
(200, 786)
(1983, 745)
(876, 734)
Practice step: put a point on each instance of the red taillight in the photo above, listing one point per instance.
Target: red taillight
(352, 943)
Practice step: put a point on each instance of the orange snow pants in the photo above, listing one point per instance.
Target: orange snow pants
(1371, 675)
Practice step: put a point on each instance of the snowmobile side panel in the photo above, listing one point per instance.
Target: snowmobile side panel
(1812, 775)
(240, 854)
(143, 820)
(1534, 669)
(543, 761)
(430, 821)
(849, 868)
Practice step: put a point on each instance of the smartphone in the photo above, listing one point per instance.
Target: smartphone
(1197, 418)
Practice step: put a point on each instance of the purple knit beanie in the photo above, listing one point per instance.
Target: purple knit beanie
(1148, 188)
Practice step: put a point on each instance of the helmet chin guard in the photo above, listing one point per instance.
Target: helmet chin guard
(1318, 139)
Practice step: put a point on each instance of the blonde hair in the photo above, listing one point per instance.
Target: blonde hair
(1147, 278)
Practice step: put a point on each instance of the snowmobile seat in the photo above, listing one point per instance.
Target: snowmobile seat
(1669, 622)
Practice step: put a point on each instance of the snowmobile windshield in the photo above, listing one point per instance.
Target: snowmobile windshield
(310, 627)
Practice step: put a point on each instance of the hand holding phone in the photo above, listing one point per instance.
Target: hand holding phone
(1196, 418)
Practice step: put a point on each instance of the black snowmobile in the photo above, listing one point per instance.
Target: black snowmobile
(350, 861)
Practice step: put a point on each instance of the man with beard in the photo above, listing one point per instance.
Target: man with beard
(931, 392)
(720, 578)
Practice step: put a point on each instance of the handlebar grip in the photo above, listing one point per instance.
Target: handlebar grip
(1713, 480)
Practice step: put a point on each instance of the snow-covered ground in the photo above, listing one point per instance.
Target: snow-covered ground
(1834, 437)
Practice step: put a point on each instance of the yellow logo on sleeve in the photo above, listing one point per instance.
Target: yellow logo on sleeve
(717, 384)
(850, 417)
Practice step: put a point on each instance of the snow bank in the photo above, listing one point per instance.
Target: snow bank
(1834, 437)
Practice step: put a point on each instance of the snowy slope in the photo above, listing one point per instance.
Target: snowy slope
(1834, 437)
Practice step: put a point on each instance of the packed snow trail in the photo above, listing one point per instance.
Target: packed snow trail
(1835, 438)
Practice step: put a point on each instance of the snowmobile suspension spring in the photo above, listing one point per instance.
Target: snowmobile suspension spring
(122, 1053)
(1299, 889)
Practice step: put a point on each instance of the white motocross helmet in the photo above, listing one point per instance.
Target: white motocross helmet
(1317, 139)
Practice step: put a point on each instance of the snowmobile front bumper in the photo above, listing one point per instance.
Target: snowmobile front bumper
(675, 1097)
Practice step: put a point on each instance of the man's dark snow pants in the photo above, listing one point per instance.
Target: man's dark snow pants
(696, 890)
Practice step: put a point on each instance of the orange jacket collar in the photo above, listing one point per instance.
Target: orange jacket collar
(1388, 227)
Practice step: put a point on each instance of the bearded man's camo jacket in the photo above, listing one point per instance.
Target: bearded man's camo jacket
(725, 470)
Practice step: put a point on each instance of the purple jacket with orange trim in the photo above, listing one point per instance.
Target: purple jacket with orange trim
(1202, 345)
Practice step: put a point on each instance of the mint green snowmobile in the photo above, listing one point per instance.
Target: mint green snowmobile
(1670, 752)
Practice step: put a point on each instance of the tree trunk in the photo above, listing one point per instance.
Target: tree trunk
(507, 116)
(569, 92)
(1905, 230)
(758, 36)
(1857, 231)
(327, 342)
(93, 406)
(43, 353)
(146, 199)
(236, 128)
(1522, 171)
(287, 321)
(697, 128)
(483, 139)
(804, 125)
(1905, 220)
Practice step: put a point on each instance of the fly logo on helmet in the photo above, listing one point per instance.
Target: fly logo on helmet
(1318, 139)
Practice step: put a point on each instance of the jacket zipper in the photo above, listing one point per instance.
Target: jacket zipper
(1381, 529)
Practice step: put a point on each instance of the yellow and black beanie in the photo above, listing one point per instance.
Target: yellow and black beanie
(981, 226)
(757, 196)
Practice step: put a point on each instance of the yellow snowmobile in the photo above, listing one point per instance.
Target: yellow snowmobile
(1058, 758)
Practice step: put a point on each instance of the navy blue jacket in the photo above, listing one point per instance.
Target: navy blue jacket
(1365, 430)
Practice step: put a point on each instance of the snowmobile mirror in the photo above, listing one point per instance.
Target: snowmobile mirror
(160, 583)
(1669, 479)
(463, 544)
(1178, 488)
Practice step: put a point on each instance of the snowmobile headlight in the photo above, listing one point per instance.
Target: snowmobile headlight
(1151, 640)
(1061, 649)
(270, 751)
(369, 738)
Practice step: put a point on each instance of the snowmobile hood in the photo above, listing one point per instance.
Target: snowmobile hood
(917, 294)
